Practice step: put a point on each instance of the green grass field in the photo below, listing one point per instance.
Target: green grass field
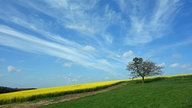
(162, 93)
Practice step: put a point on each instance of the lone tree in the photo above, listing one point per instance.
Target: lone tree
(140, 68)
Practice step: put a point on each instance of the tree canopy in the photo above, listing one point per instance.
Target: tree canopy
(140, 68)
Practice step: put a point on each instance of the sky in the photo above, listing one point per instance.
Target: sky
(45, 43)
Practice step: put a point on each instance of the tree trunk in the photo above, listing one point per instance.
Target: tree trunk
(143, 80)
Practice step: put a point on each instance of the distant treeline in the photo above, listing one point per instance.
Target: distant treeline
(8, 89)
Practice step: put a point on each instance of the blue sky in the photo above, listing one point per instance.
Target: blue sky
(61, 42)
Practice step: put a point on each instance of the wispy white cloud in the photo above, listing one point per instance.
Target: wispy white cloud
(74, 15)
(58, 3)
(104, 62)
(175, 65)
(83, 28)
(127, 54)
(146, 26)
(140, 25)
(113, 55)
(91, 24)
(11, 68)
(12, 38)
(67, 14)
(88, 48)
(162, 64)
(117, 58)
(68, 65)
(79, 16)
(179, 65)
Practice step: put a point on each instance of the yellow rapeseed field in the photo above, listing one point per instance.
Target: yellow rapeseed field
(50, 92)
(29, 95)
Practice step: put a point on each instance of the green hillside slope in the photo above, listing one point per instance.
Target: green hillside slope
(164, 93)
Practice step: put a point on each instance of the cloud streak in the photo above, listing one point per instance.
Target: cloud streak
(84, 32)
(11, 68)
(68, 65)
(147, 25)
(78, 16)
(127, 54)
(138, 23)
(25, 42)
(179, 65)
(175, 65)
(88, 48)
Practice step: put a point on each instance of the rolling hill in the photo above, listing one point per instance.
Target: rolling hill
(170, 92)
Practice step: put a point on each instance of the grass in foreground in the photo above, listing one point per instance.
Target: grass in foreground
(175, 92)
(43, 93)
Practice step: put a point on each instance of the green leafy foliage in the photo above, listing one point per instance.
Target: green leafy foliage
(140, 68)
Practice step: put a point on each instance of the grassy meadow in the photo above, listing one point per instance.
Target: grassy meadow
(159, 92)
